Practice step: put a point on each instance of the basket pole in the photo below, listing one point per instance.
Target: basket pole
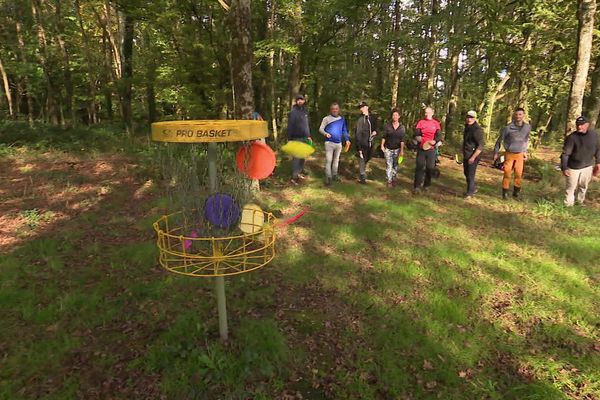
(219, 280)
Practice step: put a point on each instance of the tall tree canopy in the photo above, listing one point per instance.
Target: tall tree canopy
(71, 62)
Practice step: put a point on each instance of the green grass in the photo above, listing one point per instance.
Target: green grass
(374, 294)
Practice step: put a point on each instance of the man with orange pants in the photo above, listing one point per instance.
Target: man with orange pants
(515, 139)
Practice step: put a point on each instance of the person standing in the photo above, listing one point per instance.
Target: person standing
(515, 139)
(580, 152)
(472, 148)
(334, 128)
(392, 145)
(298, 129)
(428, 134)
(365, 131)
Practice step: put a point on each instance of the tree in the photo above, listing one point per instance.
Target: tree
(585, 15)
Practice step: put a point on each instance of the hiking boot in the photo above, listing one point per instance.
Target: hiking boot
(516, 192)
(504, 194)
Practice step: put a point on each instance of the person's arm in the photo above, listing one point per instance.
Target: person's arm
(345, 135)
(322, 128)
(526, 152)
(438, 137)
(597, 156)
(480, 143)
(499, 143)
(566, 153)
(291, 124)
(402, 139)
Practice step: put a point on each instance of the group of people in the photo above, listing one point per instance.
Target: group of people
(580, 159)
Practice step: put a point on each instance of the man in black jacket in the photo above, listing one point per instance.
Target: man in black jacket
(580, 160)
(472, 148)
(365, 130)
(298, 129)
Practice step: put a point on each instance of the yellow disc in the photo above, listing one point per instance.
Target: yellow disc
(253, 218)
(298, 149)
(198, 131)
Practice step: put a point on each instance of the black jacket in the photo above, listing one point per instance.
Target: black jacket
(394, 137)
(580, 150)
(298, 127)
(364, 126)
(472, 139)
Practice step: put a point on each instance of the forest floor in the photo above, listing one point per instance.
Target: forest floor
(374, 293)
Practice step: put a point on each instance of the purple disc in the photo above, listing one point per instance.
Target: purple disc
(221, 210)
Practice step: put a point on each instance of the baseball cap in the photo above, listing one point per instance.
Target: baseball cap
(581, 120)
(472, 114)
(299, 97)
(362, 104)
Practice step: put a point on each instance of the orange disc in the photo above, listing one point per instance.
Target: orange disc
(259, 163)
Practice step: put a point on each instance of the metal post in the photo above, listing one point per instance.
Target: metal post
(219, 281)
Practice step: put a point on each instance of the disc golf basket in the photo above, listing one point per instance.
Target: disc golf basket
(211, 230)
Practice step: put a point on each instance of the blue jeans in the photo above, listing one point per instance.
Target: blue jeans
(297, 163)
(391, 163)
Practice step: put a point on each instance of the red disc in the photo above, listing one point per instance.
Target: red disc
(259, 164)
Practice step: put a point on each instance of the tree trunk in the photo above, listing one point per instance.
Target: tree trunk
(592, 104)
(396, 55)
(66, 63)
(7, 92)
(433, 55)
(27, 87)
(294, 80)
(490, 103)
(271, 60)
(91, 68)
(452, 93)
(241, 48)
(586, 11)
(127, 72)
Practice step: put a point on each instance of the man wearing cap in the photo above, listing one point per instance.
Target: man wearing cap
(298, 129)
(515, 139)
(334, 128)
(428, 134)
(472, 148)
(580, 160)
(365, 130)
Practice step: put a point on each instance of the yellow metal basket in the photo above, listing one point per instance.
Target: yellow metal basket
(213, 256)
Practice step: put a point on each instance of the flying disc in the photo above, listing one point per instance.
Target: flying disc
(400, 159)
(256, 161)
(298, 149)
(252, 219)
(221, 210)
(427, 146)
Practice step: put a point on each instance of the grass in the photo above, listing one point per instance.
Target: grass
(374, 294)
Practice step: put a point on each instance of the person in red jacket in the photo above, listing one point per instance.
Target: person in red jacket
(428, 134)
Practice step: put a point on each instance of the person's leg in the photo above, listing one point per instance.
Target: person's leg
(585, 177)
(519, 164)
(466, 172)
(328, 159)
(571, 186)
(362, 169)
(337, 150)
(429, 166)
(395, 155)
(389, 164)
(509, 162)
(296, 168)
(420, 168)
(302, 171)
(471, 170)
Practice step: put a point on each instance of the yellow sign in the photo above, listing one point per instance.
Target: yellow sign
(195, 131)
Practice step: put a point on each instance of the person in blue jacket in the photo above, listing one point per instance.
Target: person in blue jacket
(334, 128)
(298, 129)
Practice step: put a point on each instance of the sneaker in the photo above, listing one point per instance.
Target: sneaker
(468, 196)
(390, 184)
(416, 191)
(335, 178)
(302, 176)
(294, 182)
(327, 181)
(425, 189)
(362, 181)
